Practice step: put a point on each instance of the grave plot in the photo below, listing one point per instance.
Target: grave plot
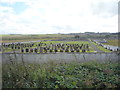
(51, 47)
(48, 47)
(15, 47)
(101, 47)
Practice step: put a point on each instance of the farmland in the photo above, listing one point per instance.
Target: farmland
(21, 38)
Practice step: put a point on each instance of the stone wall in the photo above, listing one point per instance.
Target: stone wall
(67, 57)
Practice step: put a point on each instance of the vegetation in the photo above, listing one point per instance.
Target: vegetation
(101, 48)
(61, 75)
(35, 37)
(114, 42)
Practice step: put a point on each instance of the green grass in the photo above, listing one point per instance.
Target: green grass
(101, 48)
(77, 42)
(61, 75)
(114, 42)
(33, 37)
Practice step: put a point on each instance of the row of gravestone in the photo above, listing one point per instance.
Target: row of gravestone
(18, 45)
(48, 47)
(43, 50)
(118, 50)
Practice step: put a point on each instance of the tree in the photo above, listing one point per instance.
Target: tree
(77, 36)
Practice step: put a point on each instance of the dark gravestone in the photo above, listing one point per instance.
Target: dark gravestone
(22, 50)
(77, 50)
(45, 50)
(61, 50)
(35, 50)
(50, 50)
(117, 49)
(83, 50)
(27, 50)
(18, 47)
(111, 50)
(55, 50)
(66, 50)
(12, 47)
(72, 50)
(80, 47)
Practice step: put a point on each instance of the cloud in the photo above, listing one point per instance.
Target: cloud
(63, 16)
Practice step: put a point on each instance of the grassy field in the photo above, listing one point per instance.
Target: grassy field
(34, 37)
(61, 75)
(115, 42)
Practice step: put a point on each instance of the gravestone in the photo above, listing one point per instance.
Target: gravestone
(83, 50)
(26, 50)
(41, 49)
(36, 50)
(31, 50)
(22, 50)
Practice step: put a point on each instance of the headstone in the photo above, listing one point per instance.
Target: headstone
(22, 50)
(31, 50)
(36, 50)
(77, 50)
(61, 50)
(83, 50)
(41, 49)
(27, 50)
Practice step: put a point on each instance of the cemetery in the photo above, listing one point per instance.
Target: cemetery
(60, 63)
(52, 47)
(59, 44)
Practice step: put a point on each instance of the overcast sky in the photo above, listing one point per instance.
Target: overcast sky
(58, 16)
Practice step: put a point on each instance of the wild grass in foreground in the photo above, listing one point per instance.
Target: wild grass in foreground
(61, 75)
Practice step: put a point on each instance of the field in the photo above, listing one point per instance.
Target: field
(114, 42)
(21, 38)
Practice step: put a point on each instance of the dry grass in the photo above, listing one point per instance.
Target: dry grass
(17, 38)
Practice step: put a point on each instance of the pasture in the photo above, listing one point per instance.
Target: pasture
(114, 42)
(22, 38)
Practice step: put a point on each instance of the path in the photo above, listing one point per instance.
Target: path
(95, 47)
